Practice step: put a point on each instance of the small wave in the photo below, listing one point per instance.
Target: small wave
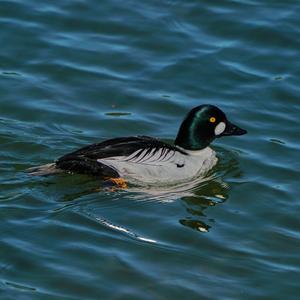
(124, 230)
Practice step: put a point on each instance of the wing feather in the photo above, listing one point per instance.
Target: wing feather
(138, 149)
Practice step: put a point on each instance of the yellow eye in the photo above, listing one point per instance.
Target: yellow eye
(212, 120)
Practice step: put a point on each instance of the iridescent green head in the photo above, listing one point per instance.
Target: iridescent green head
(202, 125)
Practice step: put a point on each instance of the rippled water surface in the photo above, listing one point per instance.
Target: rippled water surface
(77, 72)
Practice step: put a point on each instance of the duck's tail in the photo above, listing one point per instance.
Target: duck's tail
(44, 170)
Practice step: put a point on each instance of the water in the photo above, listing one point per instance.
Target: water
(77, 72)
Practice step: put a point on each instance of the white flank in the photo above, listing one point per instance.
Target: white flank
(162, 166)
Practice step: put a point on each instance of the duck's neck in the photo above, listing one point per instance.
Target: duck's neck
(195, 152)
(191, 137)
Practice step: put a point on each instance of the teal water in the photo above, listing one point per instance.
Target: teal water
(77, 72)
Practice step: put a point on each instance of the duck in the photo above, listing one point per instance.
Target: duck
(148, 160)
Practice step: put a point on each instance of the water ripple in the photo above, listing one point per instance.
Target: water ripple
(74, 73)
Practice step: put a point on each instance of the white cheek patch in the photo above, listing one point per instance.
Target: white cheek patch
(220, 128)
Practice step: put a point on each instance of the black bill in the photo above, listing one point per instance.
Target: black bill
(232, 129)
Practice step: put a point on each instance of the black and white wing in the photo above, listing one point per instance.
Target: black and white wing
(139, 150)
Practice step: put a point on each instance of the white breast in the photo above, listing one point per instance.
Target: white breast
(162, 166)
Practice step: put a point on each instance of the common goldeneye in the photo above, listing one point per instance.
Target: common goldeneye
(149, 160)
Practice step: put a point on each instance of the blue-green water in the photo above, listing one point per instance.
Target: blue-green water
(77, 72)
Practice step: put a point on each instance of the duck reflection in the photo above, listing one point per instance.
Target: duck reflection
(213, 193)
(196, 197)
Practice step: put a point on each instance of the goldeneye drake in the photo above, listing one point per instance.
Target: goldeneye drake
(149, 160)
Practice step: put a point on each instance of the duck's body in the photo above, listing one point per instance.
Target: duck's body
(159, 162)
(146, 159)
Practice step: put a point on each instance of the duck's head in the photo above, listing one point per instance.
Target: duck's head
(202, 125)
